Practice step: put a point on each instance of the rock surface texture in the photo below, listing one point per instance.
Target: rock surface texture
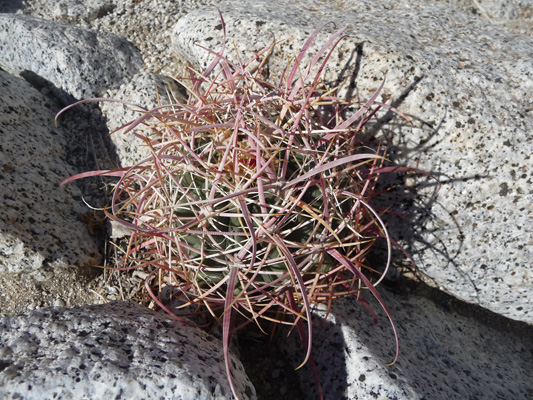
(36, 217)
(81, 62)
(113, 351)
(471, 125)
(443, 354)
(142, 93)
(43, 243)
(463, 72)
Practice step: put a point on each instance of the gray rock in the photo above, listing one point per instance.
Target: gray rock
(90, 9)
(146, 91)
(45, 249)
(447, 351)
(10, 6)
(496, 11)
(466, 84)
(146, 24)
(117, 350)
(512, 14)
(80, 62)
(70, 11)
(39, 221)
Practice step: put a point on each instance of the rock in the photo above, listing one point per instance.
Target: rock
(39, 221)
(446, 351)
(10, 6)
(146, 91)
(470, 125)
(116, 350)
(495, 11)
(69, 11)
(42, 237)
(512, 14)
(90, 9)
(146, 24)
(80, 62)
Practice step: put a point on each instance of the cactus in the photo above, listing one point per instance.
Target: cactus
(253, 201)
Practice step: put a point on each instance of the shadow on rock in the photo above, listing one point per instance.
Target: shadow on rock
(11, 6)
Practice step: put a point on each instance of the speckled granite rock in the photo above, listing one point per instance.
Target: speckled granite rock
(112, 351)
(39, 222)
(90, 9)
(80, 62)
(146, 91)
(445, 353)
(45, 248)
(496, 11)
(467, 85)
(146, 24)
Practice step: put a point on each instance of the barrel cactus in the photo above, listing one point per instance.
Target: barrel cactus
(254, 204)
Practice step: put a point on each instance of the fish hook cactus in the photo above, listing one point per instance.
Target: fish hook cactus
(252, 202)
